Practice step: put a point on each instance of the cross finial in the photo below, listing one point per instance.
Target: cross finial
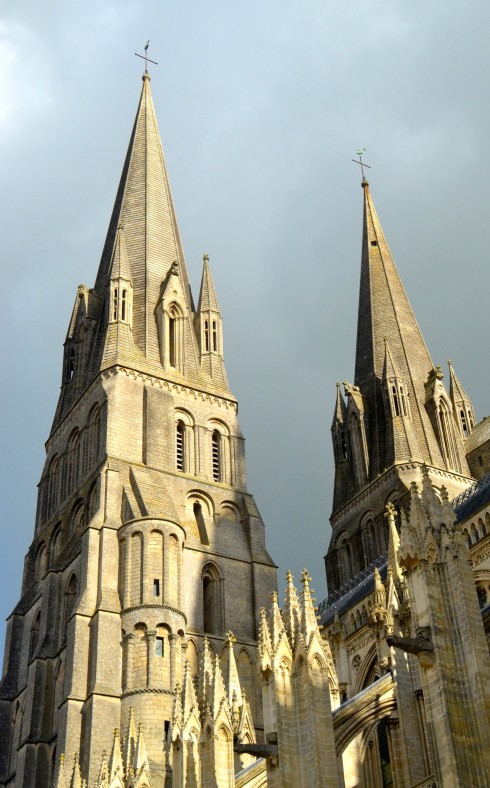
(360, 152)
(146, 58)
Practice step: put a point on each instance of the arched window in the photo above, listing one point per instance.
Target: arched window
(52, 487)
(215, 336)
(70, 594)
(176, 337)
(172, 342)
(464, 425)
(77, 521)
(69, 364)
(201, 525)
(482, 596)
(343, 446)
(216, 455)
(180, 446)
(344, 560)
(94, 435)
(41, 561)
(123, 305)
(72, 462)
(34, 634)
(394, 396)
(206, 335)
(115, 303)
(403, 401)
(212, 598)
(55, 547)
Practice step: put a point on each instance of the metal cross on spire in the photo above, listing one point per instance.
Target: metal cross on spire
(360, 152)
(146, 58)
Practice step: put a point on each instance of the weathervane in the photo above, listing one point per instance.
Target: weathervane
(360, 152)
(147, 59)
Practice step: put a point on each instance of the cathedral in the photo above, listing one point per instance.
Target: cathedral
(150, 647)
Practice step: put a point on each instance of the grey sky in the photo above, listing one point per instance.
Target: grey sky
(261, 107)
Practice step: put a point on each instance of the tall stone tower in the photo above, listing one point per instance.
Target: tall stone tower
(146, 538)
(396, 417)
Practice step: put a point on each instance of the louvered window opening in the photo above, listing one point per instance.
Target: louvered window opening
(216, 456)
(180, 446)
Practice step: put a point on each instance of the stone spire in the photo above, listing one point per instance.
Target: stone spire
(291, 613)
(210, 329)
(144, 207)
(207, 296)
(462, 405)
(385, 312)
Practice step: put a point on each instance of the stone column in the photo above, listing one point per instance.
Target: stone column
(128, 661)
(127, 572)
(173, 646)
(151, 640)
(166, 571)
(144, 569)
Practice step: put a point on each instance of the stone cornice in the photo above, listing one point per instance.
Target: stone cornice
(175, 386)
(480, 551)
(152, 606)
(392, 473)
(229, 403)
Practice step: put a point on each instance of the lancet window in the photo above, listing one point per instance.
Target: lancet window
(216, 455)
(212, 598)
(180, 446)
(34, 634)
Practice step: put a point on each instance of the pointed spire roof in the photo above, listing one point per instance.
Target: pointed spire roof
(116, 763)
(456, 390)
(309, 623)
(144, 207)
(390, 369)
(207, 295)
(385, 313)
(140, 757)
(233, 681)
(291, 613)
(120, 268)
(340, 408)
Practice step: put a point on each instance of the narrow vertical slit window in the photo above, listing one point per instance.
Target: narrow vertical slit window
(396, 406)
(156, 587)
(123, 305)
(71, 364)
(206, 335)
(115, 304)
(344, 445)
(464, 426)
(180, 446)
(215, 336)
(159, 647)
(403, 402)
(171, 341)
(216, 450)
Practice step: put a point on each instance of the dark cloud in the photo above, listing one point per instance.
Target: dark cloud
(261, 107)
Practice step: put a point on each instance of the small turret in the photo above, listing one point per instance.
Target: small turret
(120, 283)
(209, 327)
(462, 406)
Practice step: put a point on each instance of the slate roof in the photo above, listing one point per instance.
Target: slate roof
(361, 585)
(357, 588)
(472, 499)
